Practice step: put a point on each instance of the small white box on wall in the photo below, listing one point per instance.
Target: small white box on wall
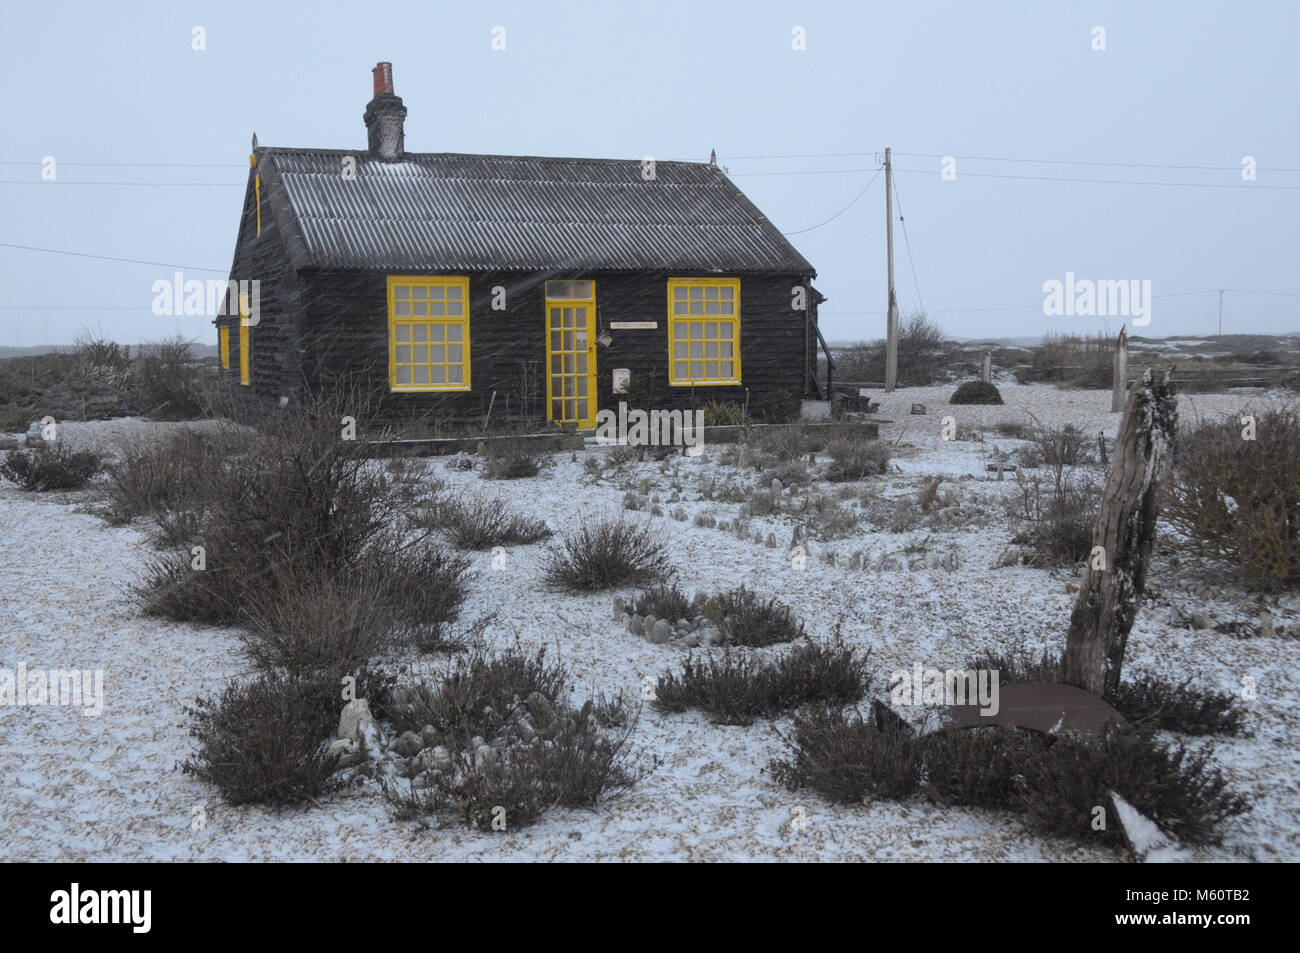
(622, 377)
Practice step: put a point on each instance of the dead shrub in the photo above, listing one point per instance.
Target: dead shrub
(1179, 790)
(979, 767)
(605, 553)
(848, 759)
(735, 688)
(663, 602)
(167, 381)
(481, 523)
(1239, 500)
(168, 475)
(514, 459)
(748, 619)
(1057, 514)
(263, 741)
(51, 466)
(857, 460)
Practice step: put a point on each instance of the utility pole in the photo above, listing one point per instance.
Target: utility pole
(1220, 312)
(891, 329)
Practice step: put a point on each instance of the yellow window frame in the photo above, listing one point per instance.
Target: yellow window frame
(223, 338)
(720, 320)
(245, 343)
(447, 323)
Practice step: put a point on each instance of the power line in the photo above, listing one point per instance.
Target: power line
(841, 211)
(938, 155)
(137, 165)
(1036, 178)
(907, 244)
(149, 184)
(130, 261)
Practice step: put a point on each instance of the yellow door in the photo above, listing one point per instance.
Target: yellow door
(571, 359)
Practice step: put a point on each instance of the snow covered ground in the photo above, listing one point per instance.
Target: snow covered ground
(109, 788)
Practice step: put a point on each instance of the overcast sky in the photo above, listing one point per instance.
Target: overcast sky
(1178, 84)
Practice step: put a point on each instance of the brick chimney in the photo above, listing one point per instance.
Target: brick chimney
(385, 117)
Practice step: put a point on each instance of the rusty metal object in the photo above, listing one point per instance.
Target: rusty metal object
(1046, 707)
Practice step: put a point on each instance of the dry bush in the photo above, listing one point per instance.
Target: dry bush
(748, 619)
(719, 413)
(924, 355)
(515, 459)
(1057, 514)
(857, 460)
(481, 523)
(1239, 500)
(663, 602)
(1180, 791)
(736, 688)
(789, 473)
(1071, 360)
(1014, 429)
(263, 741)
(790, 442)
(170, 474)
(975, 392)
(848, 759)
(545, 754)
(979, 767)
(605, 553)
(167, 381)
(49, 467)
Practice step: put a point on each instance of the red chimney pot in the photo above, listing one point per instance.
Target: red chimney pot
(383, 78)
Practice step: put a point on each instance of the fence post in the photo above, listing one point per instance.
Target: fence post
(986, 372)
(1121, 541)
(1119, 382)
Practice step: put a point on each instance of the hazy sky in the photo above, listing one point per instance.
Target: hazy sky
(1178, 84)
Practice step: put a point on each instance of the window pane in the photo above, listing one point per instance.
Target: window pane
(582, 363)
(680, 371)
(710, 349)
(555, 363)
(557, 410)
(697, 349)
(697, 307)
(568, 387)
(727, 308)
(420, 332)
(724, 349)
(679, 330)
(403, 353)
(419, 308)
(437, 309)
(402, 293)
(697, 331)
(568, 340)
(679, 293)
(711, 293)
(697, 293)
(680, 307)
(420, 354)
(568, 363)
(439, 374)
(403, 309)
(679, 349)
(710, 307)
(402, 332)
(568, 317)
(453, 292)
(555, 341)
(403, 375)
(455, 354)
(456, 374)
(435, 354)
(453, 309)
(697, 370)
(724, 369)
(582, 387)
(711, 331)
(711, 370)
(437, 293)
(453, 332)
(419, 292)
(724, 331)
(582, 410)
(419, 375)
(728, 293)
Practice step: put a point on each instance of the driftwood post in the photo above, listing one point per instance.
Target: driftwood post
(986, 372)
(1119, 382)
(1121, 542)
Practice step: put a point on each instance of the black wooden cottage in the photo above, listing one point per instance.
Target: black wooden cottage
(444, 279)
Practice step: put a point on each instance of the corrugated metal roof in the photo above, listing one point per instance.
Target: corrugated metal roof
(436, 211)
